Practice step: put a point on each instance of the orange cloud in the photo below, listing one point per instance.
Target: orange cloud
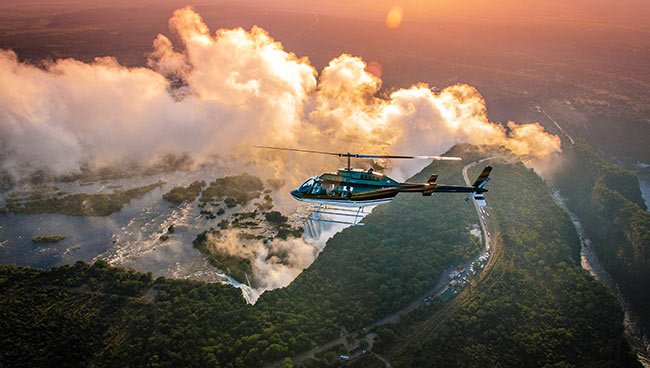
(238, 88)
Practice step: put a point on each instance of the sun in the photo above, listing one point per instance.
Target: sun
(394, 17)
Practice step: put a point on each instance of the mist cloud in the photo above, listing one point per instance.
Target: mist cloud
(237, 88)
(273, 265)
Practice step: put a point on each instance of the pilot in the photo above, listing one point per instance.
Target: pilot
(370, 170)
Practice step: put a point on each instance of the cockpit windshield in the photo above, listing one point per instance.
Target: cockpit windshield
(304, 188)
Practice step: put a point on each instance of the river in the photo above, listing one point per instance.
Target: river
(589, 261)
(644, 184)
(130, 237)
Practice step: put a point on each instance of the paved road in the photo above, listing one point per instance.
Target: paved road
(386, 362)
(310, 353)
(483, 214)
(485, 218)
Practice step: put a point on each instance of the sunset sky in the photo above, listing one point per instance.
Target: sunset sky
(514, 54)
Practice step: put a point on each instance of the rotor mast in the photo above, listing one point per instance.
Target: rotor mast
(348, 155)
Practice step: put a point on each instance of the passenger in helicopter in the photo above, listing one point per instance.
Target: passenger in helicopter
(330, 190)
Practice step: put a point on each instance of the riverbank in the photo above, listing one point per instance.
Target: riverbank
(590, 262)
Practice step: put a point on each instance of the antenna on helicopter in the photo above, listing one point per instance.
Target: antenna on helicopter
(357, 155)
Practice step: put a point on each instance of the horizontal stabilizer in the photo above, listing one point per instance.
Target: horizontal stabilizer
(480, 200)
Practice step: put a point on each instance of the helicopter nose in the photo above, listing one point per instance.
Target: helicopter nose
(295, 193)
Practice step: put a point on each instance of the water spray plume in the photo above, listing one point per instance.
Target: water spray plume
(223, 93)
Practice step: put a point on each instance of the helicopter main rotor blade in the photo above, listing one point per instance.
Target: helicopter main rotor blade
(302, 150)
(411, 157)
(340, 154)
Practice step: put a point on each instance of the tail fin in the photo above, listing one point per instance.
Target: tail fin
(478, 185)
(431, 185)
(480, 181)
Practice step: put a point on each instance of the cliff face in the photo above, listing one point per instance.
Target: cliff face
(608, 201)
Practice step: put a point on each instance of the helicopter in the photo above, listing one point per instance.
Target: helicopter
(358, 188)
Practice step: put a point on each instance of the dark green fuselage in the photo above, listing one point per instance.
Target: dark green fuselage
(358, 188)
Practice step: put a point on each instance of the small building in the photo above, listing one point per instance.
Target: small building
(448, 292)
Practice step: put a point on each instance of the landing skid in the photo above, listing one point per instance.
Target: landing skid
(323, 209)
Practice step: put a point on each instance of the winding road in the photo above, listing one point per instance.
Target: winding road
(483, 214)
(490, 242)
